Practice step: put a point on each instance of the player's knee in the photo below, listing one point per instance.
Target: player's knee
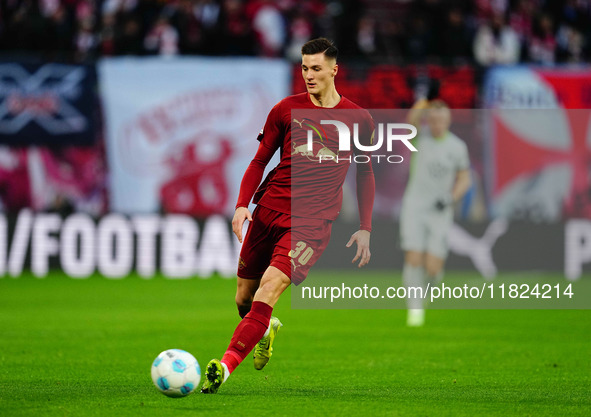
(413, 259)
(434, 267)
(244, 294)
(433, 271)
(272, 286)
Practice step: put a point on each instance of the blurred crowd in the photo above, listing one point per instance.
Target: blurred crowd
(379, 31)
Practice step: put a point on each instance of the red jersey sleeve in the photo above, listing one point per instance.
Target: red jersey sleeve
(366, 186)
(270, 140)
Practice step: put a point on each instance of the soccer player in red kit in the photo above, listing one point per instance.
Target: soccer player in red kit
(296, 205)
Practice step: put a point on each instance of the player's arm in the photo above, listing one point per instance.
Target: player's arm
(416, 112)
(462, 185)
(366, 188)
(269, 143)
(463, 180)
(251, 180)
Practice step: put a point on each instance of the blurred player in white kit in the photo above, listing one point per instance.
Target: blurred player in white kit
(439, 176)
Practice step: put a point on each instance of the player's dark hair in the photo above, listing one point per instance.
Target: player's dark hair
(320, 45)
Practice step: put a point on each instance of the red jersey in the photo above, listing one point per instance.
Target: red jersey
(308, 183)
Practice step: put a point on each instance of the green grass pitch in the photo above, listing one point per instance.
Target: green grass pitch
(84, 348)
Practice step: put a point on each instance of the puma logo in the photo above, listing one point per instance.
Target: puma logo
(298, 122)
(478, 250)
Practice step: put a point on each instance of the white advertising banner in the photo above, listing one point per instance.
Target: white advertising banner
(115, 246)
(181, 132)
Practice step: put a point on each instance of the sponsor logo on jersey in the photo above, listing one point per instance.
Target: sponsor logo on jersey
(319, 151)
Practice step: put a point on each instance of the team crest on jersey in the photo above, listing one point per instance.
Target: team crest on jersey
(241, 263)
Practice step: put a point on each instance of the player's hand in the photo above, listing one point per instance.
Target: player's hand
(442, 204)
(241, 214)
(362, 239)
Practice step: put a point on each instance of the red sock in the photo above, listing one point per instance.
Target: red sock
(248, 333)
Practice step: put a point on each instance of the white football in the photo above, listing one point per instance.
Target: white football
(176, 373)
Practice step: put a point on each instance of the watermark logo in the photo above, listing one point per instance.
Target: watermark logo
(385, 132)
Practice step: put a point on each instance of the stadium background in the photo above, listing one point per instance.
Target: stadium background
(125, 128)
(120, 118)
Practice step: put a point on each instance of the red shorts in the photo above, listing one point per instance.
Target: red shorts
(290, 244)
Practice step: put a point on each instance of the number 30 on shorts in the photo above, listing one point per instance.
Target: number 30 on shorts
(301, 253)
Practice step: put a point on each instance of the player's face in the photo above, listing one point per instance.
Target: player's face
(318, 72)
(439, 121)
